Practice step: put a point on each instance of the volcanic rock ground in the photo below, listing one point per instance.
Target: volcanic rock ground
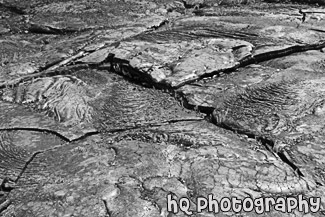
(108, 106)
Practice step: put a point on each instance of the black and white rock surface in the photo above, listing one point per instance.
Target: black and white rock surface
(106, 107)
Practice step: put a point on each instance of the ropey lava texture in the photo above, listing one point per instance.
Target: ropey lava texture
(108, 107)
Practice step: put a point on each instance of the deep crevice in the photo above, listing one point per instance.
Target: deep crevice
(85, 136)
(266, 142)
(26, 165)
(269, 144)
(143, 79)
(37, 130)
(122, 67)
(4, 205)
(265, 57)
(51, 132)
(292, 165)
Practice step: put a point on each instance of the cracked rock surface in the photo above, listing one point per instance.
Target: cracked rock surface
(108, 107)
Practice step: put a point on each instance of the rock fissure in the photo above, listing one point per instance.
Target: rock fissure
(158, 101)
(36, 130)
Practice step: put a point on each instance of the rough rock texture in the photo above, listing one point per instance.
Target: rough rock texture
(108, 107)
